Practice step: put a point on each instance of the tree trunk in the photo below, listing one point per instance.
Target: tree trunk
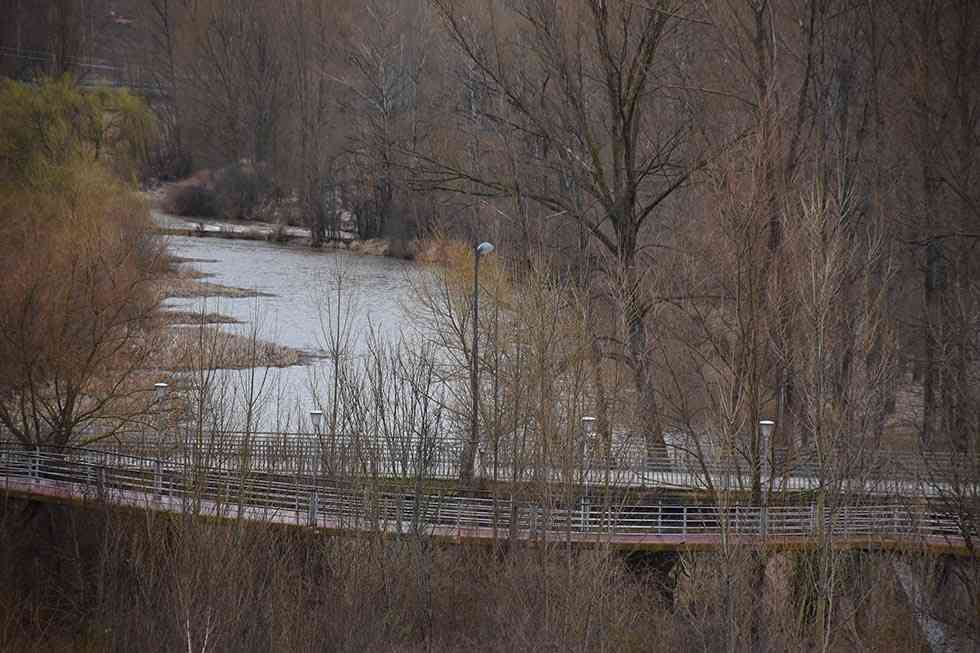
(644, 379)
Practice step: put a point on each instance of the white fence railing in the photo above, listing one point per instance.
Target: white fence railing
(125, 479)
(870, 472)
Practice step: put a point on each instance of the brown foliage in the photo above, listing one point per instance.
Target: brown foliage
(76, 266)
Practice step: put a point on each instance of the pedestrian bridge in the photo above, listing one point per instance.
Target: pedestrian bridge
(314, 499)
(867, 472)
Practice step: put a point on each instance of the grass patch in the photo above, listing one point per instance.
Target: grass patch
(195, 318)
(185, 287)
(190, 348)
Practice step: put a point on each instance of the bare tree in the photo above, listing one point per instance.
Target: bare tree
(387, 50)
(313, 60)
(579, 86)
(160, 46)
(237, 78)
(943, 48)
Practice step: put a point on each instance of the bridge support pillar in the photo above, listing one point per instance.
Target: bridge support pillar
(658, 568)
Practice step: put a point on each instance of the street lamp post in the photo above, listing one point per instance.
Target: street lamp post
(159, 397)
(471, 447)
(765, 432)
(585, 454)
(588, 428)
(316, 420)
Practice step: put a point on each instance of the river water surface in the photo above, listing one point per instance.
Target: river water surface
(298, 283)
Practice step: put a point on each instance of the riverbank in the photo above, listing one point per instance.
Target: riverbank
(195, 339)
(201, 346)
(183, 281)
(286, 235)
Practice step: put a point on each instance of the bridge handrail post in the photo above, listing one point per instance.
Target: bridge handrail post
(317, 463)
(157, 479)
(684, 520)
(296, 498)
(400, 513)
(313, 509)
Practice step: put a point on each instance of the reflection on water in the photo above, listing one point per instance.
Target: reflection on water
(301, 282)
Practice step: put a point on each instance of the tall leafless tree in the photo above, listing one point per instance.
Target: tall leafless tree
(580, 86)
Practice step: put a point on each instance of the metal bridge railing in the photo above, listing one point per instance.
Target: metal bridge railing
(130, 480)
(874, 472)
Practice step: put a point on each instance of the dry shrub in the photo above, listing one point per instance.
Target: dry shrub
(94, 579)
(191, 200)
(238, 191)
(117, 581)
(243, 190)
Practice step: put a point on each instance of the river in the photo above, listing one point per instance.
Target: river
(298, 283)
